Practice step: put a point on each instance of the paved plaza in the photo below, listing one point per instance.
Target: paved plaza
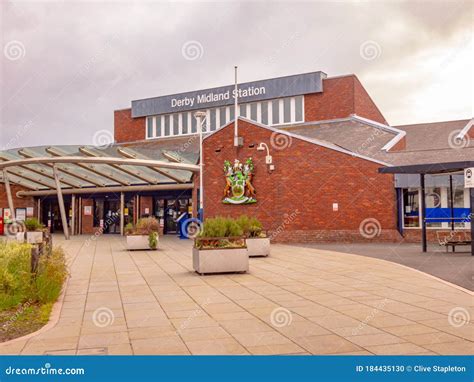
(297, 301)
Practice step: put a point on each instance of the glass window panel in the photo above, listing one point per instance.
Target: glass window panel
(185, 122)
(411, 208)
(253, 111)
(287, 110)
(264, 113)
(175, 124)
(193, 124)
(299, 109)
(167, 125)
(158, 126)
(275, 112)
(433, 201)
(213, 119)
(243, 110)
(222, 114)
(149, 127)
(232, 110)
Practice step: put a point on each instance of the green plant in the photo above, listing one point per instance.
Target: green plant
(153, 240)
(18, 284)
(128, 229)
(146, 226)
(220, 232)
(251, 226)
(33, 224)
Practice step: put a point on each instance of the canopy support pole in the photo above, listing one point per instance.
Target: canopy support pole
(122, 207)
(73, 215)
(472, 223)
(61, 202)
(451, 199)
(9, 194)
(423, 213)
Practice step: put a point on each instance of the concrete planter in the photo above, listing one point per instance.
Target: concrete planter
(34, 237)
(137, 242)
(20, 237)
(220, 260)
(258, 246)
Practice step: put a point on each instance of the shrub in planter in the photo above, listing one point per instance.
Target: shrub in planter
(258, 244)
(144, 235)
(220, 247)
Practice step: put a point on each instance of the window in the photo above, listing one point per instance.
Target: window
(274, 112)
(264, 114)
(176, 124)
(299, 109)
(167, 125)
(149, 127)
(158, 126)
(222, 116)
(286, 110)
(411, 208)
(253, 111)
(185, 123)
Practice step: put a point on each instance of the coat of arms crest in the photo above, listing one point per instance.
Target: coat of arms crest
(238, 178)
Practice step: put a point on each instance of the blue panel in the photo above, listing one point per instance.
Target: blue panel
(443, 215)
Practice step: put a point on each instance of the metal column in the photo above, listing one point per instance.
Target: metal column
(423, 213)
(61, 202)
(9, 194)
(73, 215)
(451, 200)
(472, 222)
(122, 207)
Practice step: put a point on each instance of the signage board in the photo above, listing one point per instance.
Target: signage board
(223, 96)
(469, 177)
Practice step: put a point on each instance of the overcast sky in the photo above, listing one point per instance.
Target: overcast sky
(65, 66)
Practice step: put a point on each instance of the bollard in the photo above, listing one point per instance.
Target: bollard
(35, 255)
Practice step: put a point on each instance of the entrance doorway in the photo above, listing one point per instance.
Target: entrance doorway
(167, 211)
(107, 214)
(51, 216)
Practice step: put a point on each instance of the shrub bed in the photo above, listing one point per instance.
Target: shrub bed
(26, 299)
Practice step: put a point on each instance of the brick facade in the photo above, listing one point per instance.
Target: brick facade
(341, 97)
(128, 129)
(295, 202)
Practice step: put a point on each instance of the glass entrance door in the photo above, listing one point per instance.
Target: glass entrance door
(111, 216)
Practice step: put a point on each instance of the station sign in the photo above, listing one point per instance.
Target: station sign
(469, 177)
(225, 95)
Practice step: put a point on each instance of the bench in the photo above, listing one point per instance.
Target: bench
(453, 239)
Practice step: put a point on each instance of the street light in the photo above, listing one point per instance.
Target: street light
(201, 119)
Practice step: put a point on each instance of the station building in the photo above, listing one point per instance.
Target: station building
(315, 145)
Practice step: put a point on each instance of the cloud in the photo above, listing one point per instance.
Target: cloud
(82, 60)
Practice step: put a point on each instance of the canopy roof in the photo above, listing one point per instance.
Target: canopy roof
(429, 168)
(82, 167)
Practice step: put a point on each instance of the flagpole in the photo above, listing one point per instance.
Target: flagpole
(236, 115)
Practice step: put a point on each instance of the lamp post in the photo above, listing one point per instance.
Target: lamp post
(201, 119)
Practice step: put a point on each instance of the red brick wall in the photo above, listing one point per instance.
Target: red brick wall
(295, 202)
(414, 235)
(340, 98)
(17, 202)
(128, 129)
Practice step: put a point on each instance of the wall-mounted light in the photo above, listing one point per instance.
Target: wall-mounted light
(268, 158)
